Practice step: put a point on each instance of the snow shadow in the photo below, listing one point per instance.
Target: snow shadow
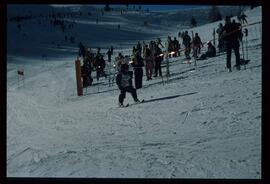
(169, 97)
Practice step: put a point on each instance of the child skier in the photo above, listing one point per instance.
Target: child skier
(124, 82)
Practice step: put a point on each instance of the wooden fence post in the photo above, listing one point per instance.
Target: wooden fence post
(78, 77)
(214, 36)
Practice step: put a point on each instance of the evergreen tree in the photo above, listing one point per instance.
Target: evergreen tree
(193, 22)
(107, 7)
(214, 14)
(253, 6)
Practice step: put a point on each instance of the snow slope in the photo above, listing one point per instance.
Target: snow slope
(203, 123)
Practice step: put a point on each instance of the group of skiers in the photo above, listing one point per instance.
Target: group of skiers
(189, 43)
(229, 36)
(150, 56)
(91, 62)
(173, 46)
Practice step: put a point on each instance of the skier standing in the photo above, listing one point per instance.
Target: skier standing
(100, 65)
(86, 73)
(158, 60)
(243, 18)
(124, 83)
(138, 71)
(186, 43)
(139, 48)
(176, 47)
(119, 61)
(143, 49)
(169, 45)
(231, 33)
(148, 63)
(134, 50)
(220, 38)
(197, 43)
(159, 42)
(81, 50)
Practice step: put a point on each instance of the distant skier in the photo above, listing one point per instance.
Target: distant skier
(124, 83)
(159, 42)
(139, 48)
(134, 50)
(19, 27)
(112, 49)
(169, 45)
(176, 47)
(81, 50)
(119, 61)
(109, 53)
(232, 33)
(243, 18)
(179, 35)
(143, 49)
(137, 64)
(90, 57)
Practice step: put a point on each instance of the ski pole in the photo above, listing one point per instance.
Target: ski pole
(243, 53)
(167, 67)
(162, 77)
(246, 34)
(109, 60)
(246, 48)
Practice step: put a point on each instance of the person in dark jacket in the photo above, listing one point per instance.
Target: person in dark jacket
(170, 46)
(197, 44)
(82, 50)
(100, 64)
(148, 63)
(124, 83)
(220, 38)
(243, 18)
(139, 47)
(187, 44)
(158, 60)
(86, 73)
(176, 47)
(137, 64)
(211, 51)
(231, 34)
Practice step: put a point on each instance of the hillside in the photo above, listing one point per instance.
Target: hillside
(201, 122)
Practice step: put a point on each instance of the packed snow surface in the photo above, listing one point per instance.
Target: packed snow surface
(201, 122)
